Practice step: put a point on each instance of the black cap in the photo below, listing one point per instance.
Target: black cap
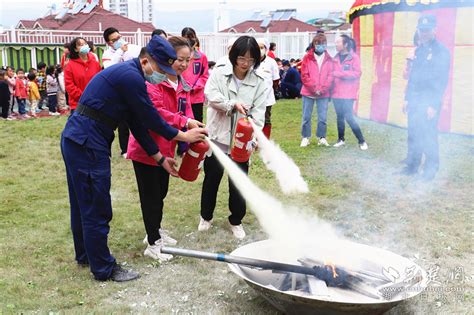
(162, 52)
(426, 22)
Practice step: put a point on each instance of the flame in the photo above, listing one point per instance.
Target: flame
(333, 268)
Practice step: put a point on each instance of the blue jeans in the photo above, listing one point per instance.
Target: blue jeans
(322, 107)
(21, 105)
(343, 109)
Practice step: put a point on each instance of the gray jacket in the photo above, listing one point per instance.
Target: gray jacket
(222, 94)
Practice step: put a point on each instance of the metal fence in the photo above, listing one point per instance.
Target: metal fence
(214, 45)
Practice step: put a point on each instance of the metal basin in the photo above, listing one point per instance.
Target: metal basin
(337, 301)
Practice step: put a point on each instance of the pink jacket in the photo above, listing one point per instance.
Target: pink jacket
(346, 77)
(316, 79)
(196, 76)
(175, 108)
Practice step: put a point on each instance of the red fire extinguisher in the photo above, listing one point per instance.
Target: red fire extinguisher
(242, 148)
(193, 160)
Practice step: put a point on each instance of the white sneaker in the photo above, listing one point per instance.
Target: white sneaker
(323, 141)
(339, 143)
(304, 142)
(167, 240)
(204, 225)
(54, 113)
(124, 155)
(363, 146)
(238, 231)
(154, 251)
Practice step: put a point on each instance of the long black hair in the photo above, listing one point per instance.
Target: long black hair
(348, 42)
(240, 48)
(190, 34)
(73, 54)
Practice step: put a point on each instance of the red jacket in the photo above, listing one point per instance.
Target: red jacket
(21, 90)
(316, 79)
(175, 108)
(271, 54)
(77, 75)
(196, 76)
(346, 77)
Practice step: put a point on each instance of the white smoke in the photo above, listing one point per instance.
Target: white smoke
(296, 231)
(288, 174)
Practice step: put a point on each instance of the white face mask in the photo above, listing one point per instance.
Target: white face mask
(263, 52)
(156, 77)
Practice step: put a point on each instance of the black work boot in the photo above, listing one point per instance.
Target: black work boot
(120, 274)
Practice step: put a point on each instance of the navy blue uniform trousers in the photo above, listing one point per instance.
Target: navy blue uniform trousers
(88, 177)
(422, 139)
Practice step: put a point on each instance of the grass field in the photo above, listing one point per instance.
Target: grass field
(358, 192)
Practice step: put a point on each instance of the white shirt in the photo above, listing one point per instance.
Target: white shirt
(319, 59)
(269, 71)
(173, 84)
(112, 56)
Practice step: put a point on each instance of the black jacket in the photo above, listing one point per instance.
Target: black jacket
(4, 92)
(429, 75)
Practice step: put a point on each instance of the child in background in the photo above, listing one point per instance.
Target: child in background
(41, 80)
(21, 92)
(62, 104)
(33, 93)
(11, 79)
(52, 90)
(4, 94)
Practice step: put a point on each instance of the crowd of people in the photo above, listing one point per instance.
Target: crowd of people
(155, 96)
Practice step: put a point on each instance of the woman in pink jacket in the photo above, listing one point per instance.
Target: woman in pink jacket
(197, 74)
(346, 74)
(316, 76)
(172, 99)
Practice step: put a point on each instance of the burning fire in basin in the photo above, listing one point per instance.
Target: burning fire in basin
(308, 285)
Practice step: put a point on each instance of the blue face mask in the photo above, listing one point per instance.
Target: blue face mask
(319, 49)
(118, 44)
(84, 49)
(155, 77)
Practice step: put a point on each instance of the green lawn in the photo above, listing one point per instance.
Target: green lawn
(358, 192)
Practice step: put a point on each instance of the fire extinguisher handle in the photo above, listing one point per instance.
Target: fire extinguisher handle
(247, 113)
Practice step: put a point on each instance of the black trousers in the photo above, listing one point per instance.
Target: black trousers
(344, 113)
(197, 111)
(152, 184)
(213, 174)
(268, 115)
(422, 139)
(123, 134)
(5, 107)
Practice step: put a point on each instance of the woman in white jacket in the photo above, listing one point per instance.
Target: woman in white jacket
(232, 90)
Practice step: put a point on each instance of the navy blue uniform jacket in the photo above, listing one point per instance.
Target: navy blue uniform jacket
(120, 93)
(429, 75)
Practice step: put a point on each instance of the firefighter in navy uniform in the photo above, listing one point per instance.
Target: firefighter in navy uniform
(114, 95)
(424, 95)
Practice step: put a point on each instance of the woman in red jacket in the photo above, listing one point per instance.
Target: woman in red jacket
(346, 74)
(316, 76)
(82, 67)
(172, 99)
